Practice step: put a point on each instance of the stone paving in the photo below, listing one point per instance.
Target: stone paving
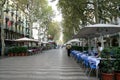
(48, 65)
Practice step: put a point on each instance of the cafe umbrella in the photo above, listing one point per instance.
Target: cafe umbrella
(97, 30)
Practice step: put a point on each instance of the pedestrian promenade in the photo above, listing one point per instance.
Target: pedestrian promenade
(48, 65)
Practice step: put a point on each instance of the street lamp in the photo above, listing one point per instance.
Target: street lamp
(2, 2)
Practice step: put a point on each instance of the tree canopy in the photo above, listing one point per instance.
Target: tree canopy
(40, 11)
(79, 13)
(54, 30)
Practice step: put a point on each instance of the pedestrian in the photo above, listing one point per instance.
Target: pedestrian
(41, 47)
(68, 49)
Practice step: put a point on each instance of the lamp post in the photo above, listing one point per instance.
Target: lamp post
(2, 2)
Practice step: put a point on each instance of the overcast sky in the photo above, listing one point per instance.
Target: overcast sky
(58, 16)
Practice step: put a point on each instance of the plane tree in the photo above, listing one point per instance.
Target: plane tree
(79, 13)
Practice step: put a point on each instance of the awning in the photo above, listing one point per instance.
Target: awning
(9, 40)
(97, 30)
(73, 40)
(24, 39)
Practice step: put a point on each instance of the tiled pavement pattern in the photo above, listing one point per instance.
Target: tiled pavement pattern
(49, 65)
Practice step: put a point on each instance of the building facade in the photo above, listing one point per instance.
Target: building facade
(15, 23)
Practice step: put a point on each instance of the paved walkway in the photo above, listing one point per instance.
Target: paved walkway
(50, 65)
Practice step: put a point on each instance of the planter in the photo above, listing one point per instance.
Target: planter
(10, 54)
(117, 76)
(15, 54)
(26, 54)
(107, 76)
(23, 54)
(117, 63)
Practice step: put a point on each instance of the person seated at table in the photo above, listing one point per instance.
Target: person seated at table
(99, 49)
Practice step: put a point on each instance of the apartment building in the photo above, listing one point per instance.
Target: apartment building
(16, 24)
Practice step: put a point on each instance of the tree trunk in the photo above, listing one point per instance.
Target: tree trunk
(2, 35)
(2, 28)
(96, 11)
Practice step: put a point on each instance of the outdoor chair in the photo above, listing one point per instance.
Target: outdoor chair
(86, 64)
(92, 66)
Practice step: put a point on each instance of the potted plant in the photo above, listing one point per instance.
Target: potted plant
(24, 51)
(106, 65)
(16, 51)
(117, 63)
(10, 52)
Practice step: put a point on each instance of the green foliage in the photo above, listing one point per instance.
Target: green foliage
(86, 48)
(54, 30)
(23, 49)
(79, 13)
(107, 63)
(107, 66)
(117, 57)
(17, 50)
(106, 53)
(117, 65)
(10, 50)
(106, 50)
(78, 48)
(116, 52)
(36, 10)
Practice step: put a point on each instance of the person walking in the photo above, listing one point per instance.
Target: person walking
(68, 49)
